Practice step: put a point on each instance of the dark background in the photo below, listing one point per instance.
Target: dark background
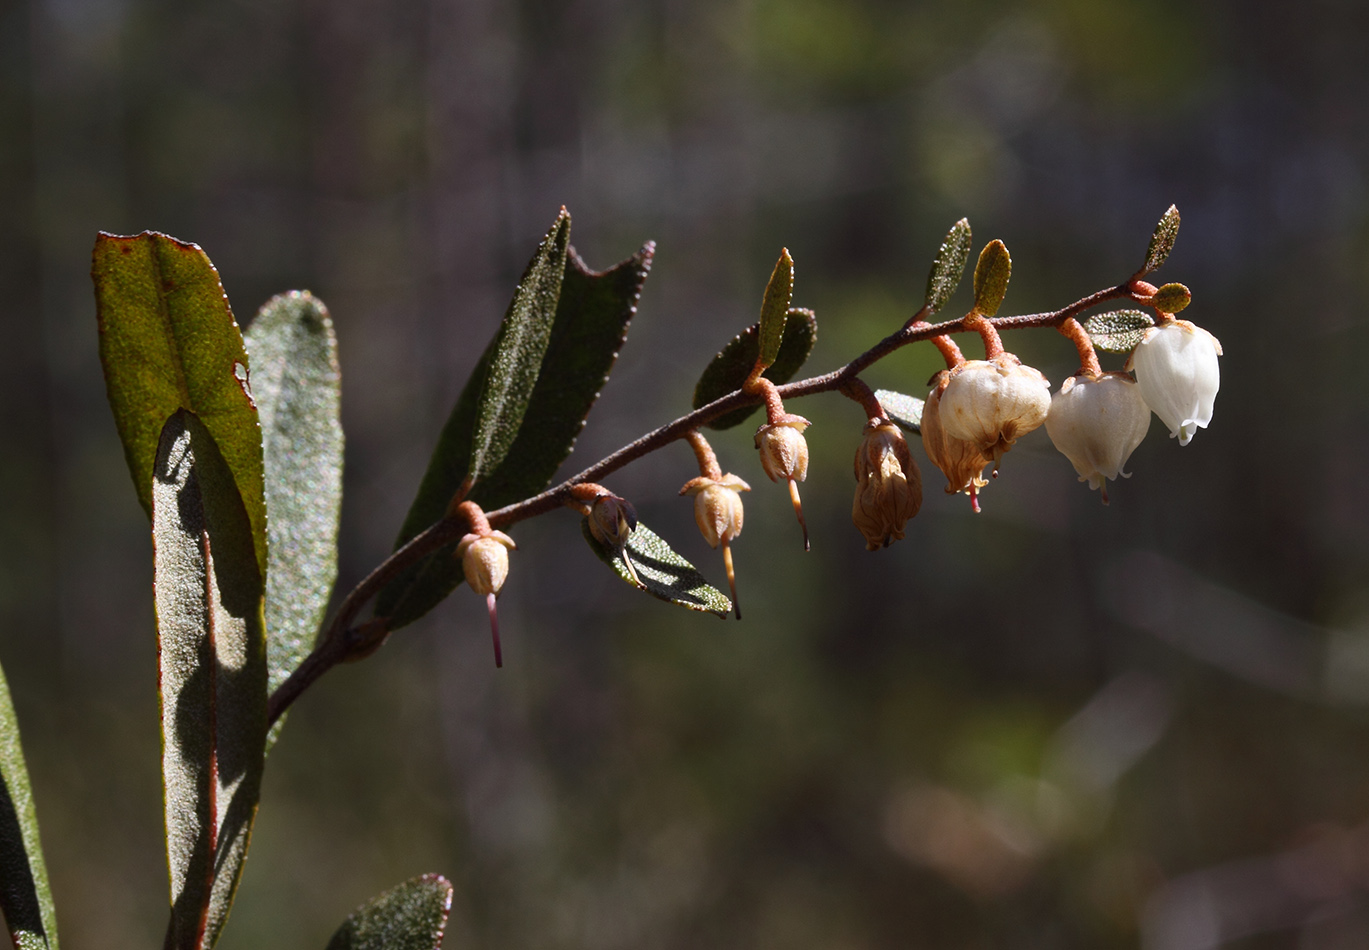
(1052, 725)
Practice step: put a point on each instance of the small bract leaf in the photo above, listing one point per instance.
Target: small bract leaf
(661, 572)
(411, 916)
(1118, 331)
(949, 266)
(212, 655)
(1172, 298)
(904, 410)
(168, 341)
(592, 318)
(1162, 241)
(991, 276)
(729, 369)
(779, 292)
(25, 897)
(518, 350)
(297, 386)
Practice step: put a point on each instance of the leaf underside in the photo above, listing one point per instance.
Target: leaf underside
(212, 657)
(25, 897)
(729, 369)
(297, 386)
(662, 572)
(592, 318)
(949, 266)
(1162, 241)
(411, 916)
(904, 410)
(1118, 331)
(168, 341)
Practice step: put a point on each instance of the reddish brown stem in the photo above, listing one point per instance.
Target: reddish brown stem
(993, 343)
(1088, 357)
(857, 389)
(703, 453)
(950, 352)
(770, 395)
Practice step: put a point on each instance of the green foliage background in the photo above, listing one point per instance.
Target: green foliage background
(1052, 725)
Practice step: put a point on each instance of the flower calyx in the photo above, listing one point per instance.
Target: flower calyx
(1176, 367)
(484, 556)
(1097, 421)
(718, 513)
(784, 456)
(888, 485)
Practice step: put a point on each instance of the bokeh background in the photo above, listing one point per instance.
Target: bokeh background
(1052, 725)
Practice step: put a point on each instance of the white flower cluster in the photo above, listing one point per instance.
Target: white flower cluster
(977, 410)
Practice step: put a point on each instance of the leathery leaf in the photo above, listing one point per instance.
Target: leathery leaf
(411, 916)
(727, 371)
(661, 572)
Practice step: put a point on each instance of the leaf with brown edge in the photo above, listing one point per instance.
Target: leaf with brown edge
(779, 292)
(661, 572)
(412, 916)
(1162, 241)
(949, 266)
(592, 319)
(25, 896)
(212, 660)
(991, 276)
(168, 341)
(726, 372)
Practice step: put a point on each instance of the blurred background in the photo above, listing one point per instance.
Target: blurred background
(1052, 725)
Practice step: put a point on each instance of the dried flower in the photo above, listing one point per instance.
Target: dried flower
(1176, 368)
(1097, 422)
(888, 485)
(485, 562)
(784, 455)
(993, 403)
(612, 520)
(718, 513)
(960, 461)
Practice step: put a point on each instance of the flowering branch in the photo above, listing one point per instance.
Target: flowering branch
(341, 641)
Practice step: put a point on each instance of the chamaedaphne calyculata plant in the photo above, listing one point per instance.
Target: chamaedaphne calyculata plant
(234, 444)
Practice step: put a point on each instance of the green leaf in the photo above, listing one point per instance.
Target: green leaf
(1117, 331)
(1162, 241)
(212, 655)
(168, 341)
(949, 266)
(729, 369)
(779, 292)
(297, 386)
(518, 350)
(1172, 298)
(591, 326)
(411, 916)
(991, 277)
(25, 897)
(905, 411)
(661, 572)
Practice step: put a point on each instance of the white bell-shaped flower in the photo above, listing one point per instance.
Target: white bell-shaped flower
(1176, 368)
(992, 403)
(1097, 422)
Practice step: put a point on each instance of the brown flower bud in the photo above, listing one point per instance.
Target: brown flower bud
(612, 521)
(717, 507)
(960, 461)
(784, 451)
(888, 485)
(485, 561)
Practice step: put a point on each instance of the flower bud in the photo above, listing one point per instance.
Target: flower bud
(485, 561)
(1097, 422)
(717, 507)
(1176, 368)
(784, 451)
(992, 403)
(612, 521)
(960, 461)
(888, 486)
